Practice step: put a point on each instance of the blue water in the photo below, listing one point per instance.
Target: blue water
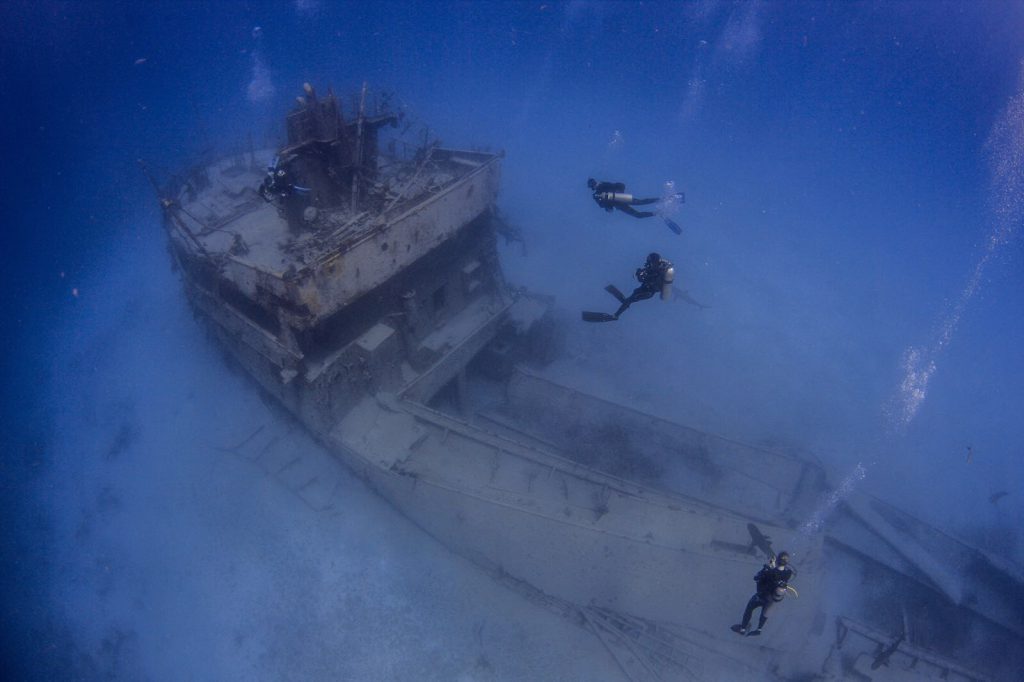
(854, 204)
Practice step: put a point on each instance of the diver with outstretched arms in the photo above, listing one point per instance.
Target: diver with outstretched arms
(655, 277)
(612, 195)
(772, 584)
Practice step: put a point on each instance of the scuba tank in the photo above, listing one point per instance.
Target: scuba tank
(616, 198)
(666, 282)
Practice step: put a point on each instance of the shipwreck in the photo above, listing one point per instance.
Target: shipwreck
(357, 279)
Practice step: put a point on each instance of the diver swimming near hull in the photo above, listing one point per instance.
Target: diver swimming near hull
(772, 584)
(612, 195)
(655, 277)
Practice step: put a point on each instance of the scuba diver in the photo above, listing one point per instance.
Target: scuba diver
(278, 185)
(277, 188)
(772, 583)
(655, 277)
(612, 195)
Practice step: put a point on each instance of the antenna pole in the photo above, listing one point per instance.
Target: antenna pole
(358, 160)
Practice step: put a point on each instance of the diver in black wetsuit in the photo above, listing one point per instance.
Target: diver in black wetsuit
(612, 195)
(278, 185)
(655, 277)
(772, 581)
(279, 188)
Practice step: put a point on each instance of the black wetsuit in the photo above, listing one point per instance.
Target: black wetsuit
(651, 277)
(768, 579)
(603, 189)
(277, 188)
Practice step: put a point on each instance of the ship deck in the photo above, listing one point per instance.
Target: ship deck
(228, 218)
(306, 271)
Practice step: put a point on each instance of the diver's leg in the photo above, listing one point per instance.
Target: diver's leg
(749, 611)
(639, 294)
(644, 202)
(765, 605)
(633, 212)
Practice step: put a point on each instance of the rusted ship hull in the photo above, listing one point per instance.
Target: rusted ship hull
(580, 535)
(575, 538)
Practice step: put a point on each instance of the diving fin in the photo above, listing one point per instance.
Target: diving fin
(598, 317)
(614, 291)
(672, 225)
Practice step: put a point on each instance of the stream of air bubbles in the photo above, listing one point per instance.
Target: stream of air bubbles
(1005, 150)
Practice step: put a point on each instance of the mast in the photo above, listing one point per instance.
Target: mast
(357, 160)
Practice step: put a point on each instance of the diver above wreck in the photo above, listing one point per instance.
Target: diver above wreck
(655, 276)
(612, 195)
(278, 188)
(772, 584)
(335, 160)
